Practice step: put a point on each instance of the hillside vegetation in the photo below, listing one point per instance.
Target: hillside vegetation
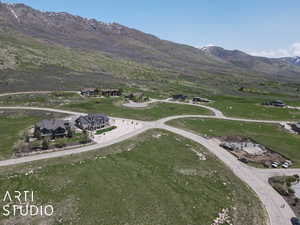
(63, 51)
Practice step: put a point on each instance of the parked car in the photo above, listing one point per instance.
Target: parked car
(295, 221)
(286, 164)
(275, 164)
(244, 160)
(277, 103)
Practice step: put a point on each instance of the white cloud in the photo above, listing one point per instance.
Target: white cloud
(293, 50)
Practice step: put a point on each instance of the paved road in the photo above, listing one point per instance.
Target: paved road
(216, 112)
(255, 178)
(251, 176)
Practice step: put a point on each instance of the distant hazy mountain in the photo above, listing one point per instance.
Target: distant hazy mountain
(292, 60)
(259, 64)
(33, 40)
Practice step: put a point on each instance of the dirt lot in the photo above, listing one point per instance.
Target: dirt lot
(249, 151)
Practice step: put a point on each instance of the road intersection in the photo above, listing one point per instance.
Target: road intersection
(256, 179)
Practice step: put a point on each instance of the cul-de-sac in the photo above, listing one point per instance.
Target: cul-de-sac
(102, 124)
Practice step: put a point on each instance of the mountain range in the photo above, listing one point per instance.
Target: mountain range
(58, 49)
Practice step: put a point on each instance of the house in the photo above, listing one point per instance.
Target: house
(92, 122)
(179, 97)
(89, 91)
(51, 128)
(199, 99)
(296, 127)
(277, 103)
(111, 92)
(137, 97)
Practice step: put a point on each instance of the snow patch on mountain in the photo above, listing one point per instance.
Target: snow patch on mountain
(9, 6)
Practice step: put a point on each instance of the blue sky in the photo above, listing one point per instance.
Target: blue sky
(262, 27)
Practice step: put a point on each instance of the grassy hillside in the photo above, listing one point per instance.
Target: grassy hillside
(28, 63)
(155, 178)
(21, 52)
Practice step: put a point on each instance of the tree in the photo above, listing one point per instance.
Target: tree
(60, 143)
(85, 137)
(70, 132)
(45, 143)
(37, 133)
(26, 137)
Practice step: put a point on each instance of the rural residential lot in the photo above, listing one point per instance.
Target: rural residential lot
(184, 169)
(149, 112)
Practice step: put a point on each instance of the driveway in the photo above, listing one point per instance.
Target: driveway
(257, 179)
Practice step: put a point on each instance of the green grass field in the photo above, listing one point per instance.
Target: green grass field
(113, 107)
(269, 135)
(154, 179)
(109, 106)
(13, 124)
(252, 108)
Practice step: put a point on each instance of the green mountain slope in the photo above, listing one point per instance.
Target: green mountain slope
(63, 51)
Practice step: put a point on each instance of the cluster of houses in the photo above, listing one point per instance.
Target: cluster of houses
(93, 92)
(102, 92)
(55, 128)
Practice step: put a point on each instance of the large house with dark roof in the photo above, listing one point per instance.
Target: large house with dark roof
(92, 122)
(179, 97)
(111, 92)
(89, 91)
(51, 128)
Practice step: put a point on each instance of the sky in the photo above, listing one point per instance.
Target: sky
(260, 27)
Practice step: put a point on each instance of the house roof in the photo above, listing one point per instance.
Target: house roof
(179, 96)
(91, 118)
(52, 124)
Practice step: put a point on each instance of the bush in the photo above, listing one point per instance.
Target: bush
(84, 137)
(45, 144)
(60, 143)
(35, 145)
(105, 130)
(281, 189)
(291, 191)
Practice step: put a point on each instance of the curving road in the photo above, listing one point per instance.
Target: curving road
(257, 179)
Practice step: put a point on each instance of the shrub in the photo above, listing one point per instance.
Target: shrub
(84, 137)
(106, 130)
(281, 189)
(60, 143)
(45, 144)
(291, 191)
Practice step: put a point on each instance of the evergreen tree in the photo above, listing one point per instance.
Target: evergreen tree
(45, 144)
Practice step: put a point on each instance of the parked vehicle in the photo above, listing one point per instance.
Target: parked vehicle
(277, 103)
(287, 164)
(275, 164)
(295, 221)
